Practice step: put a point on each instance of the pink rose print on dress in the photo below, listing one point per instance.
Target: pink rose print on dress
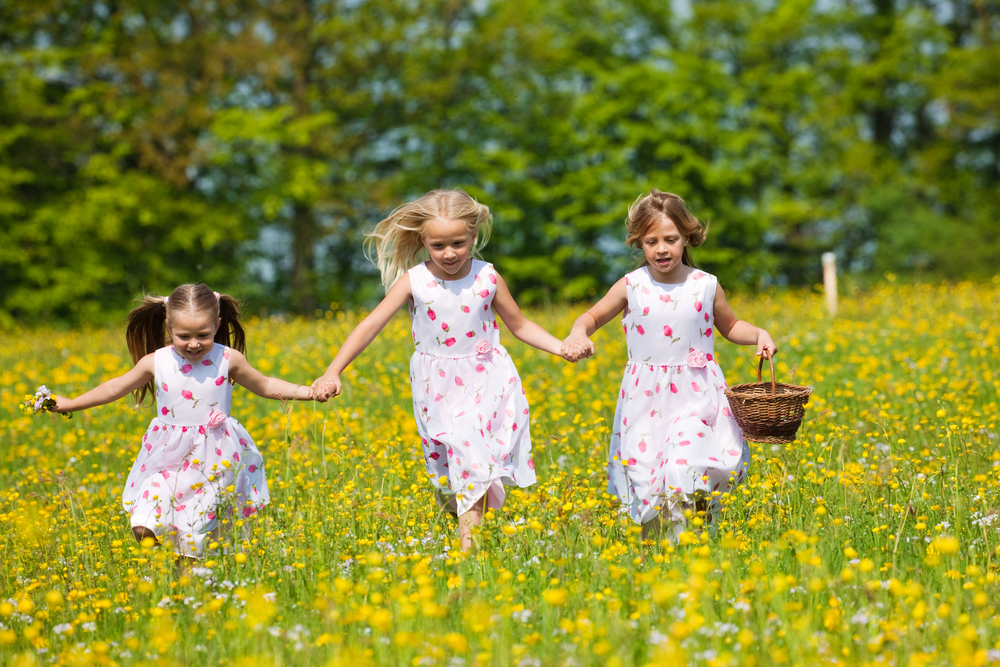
(493, 278)
(164, 411)
(667, 331)
(186, 368)
(165, 387)
(642, 446)
(673, 388)
(458, 381)
(432, 283)
(206, 362)
(187, 394)
(483, 348)
(470, 334)
(665, 298)
(431, 314)
(219, 380)
(484, 293)
(448, 342)
(697, 359)
(445, 327)
(694, 385)
(697, 305)
(645, 311)
(639, 328)
(216, 419)
(465, 309)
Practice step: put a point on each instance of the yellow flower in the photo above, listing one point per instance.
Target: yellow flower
(555, 596)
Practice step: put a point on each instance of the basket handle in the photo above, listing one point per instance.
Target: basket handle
(760, 368)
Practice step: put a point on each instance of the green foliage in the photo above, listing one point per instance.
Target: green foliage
(277, 132)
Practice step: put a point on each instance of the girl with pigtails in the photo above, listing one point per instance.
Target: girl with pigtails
(195, 461)
(470, 409)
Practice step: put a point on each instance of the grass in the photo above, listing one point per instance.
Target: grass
(870, 540)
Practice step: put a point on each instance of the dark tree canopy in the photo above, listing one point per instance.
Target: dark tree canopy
(250, 144)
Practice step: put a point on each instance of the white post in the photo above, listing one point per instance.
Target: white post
(830, 281)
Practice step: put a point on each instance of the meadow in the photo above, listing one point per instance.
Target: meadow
(870, 540)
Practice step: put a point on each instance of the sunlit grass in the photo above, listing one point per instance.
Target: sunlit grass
(870, 540)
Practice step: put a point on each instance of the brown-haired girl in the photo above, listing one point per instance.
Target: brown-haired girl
(196, 461)
(471, 412)
(674, 440)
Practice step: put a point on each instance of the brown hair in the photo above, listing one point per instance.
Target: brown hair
(650, 209)
(148, 323)
(398, 240)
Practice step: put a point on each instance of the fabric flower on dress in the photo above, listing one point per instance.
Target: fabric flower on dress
(216, 419)
(483, 348)
(697, 359)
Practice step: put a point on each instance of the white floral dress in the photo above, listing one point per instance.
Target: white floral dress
(191, 453)
(468, 402)
(674, 435)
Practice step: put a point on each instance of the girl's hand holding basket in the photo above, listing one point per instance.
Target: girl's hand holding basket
(768, 412)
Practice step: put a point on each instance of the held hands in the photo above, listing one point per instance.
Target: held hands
(326, 387)
(576, 347)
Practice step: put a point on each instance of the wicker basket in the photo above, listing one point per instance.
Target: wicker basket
(768, 412)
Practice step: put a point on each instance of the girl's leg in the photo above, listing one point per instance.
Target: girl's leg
(141, 532)
(470, 521)
(446, 502)
(651, 529)
(671, 519)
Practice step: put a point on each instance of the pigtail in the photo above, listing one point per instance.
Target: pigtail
(397, 241)
(145, 333)
(231, 332)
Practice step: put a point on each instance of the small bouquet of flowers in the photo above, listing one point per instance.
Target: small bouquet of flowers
(42, 401)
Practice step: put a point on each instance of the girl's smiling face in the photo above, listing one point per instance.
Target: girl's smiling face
(450, 246)
(663, 245)
(193, 335)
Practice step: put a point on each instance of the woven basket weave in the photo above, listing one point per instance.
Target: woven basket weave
(768, 412)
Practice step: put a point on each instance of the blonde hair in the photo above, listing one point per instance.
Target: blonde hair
(398, 240)
(148, 323)
(650, 209)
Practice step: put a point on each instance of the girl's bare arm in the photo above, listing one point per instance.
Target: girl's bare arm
(739, 331)
(110, 391)
(523, 329)
(329, 384)
(247, 376)
(578, 344)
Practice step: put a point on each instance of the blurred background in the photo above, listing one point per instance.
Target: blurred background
(251, 143)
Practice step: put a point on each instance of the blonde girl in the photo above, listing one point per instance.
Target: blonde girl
(470, 408)
(674, 441)
(196, 464)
